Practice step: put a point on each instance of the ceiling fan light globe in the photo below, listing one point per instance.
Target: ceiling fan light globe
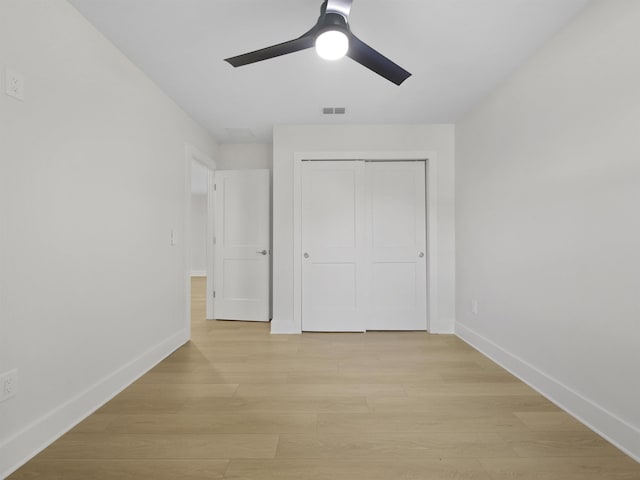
(332, 44)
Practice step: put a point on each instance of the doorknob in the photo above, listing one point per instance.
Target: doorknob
(306, 255)
(421, 254)
(262, 252)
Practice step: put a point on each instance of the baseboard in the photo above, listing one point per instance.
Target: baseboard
(288, 328)
(284, 328)
(442, 332)
(620, 433)
(442, 326)
(34, 438)
(198, 273)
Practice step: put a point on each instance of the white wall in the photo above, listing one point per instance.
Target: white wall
(92, 179)
(243, 156)
(289, 140)
(198, 234)
(547, 222)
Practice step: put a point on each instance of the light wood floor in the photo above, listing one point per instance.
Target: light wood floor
(238, 403)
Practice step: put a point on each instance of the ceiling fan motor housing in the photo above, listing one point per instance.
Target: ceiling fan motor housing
(333, 21)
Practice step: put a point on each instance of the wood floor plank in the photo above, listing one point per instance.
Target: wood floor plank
(281, 404)
(437, 366)
(321, 390)
(202, 377)
(123, 470)
(363, 377)
(550, 421)
(490, 376)
(179, 391)
(142, 405)
(85, 446)
(560, 444)
(393, 446)
(443, 421)
(562, 468)
(478, 403)
(345, 469)
(470, 388)
(217, 422)
(286, 365)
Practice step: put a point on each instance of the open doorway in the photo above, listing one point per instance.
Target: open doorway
(199, 240)
(199, 211)
(200, 232)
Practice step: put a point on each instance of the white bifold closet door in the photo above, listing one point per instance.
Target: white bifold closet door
(364, 246)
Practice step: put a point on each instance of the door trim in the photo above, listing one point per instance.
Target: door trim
(430, 159)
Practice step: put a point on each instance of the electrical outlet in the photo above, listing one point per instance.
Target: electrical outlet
(14, 84)
(8, 384)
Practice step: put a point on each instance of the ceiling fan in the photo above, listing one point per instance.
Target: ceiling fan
(333, 39)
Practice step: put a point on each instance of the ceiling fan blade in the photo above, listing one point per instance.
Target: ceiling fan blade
(301, 43)
(373, 60)
(342, 7)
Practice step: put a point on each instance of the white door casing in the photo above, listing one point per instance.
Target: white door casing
(242, 250)
(364, 263)
(334, 276)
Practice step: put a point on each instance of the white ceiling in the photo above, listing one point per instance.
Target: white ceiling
(457, 51)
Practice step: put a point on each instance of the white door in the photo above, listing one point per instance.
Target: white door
(242, 250)
(364, 246)
(334, 276)
(396, 241)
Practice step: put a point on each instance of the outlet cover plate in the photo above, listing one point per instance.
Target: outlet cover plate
(8, 385)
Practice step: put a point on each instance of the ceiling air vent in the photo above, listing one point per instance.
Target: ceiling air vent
(334, 110)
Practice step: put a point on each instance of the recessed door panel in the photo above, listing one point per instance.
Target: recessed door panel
(393, 207)
(393, 286)
(332, 205)
(246, 229)
(240, 281)
(339, 286)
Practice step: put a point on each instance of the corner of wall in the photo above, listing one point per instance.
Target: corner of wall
(34, 438)
(620, 433)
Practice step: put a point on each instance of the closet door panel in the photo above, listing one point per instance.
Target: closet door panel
(397, 246)
(334, 271)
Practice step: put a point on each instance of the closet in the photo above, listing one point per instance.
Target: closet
(363, 246)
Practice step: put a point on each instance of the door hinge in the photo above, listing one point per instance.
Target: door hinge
(214, 294)
(215, 187)
(214, 240)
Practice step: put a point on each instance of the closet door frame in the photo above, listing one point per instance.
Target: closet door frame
(431, 208)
